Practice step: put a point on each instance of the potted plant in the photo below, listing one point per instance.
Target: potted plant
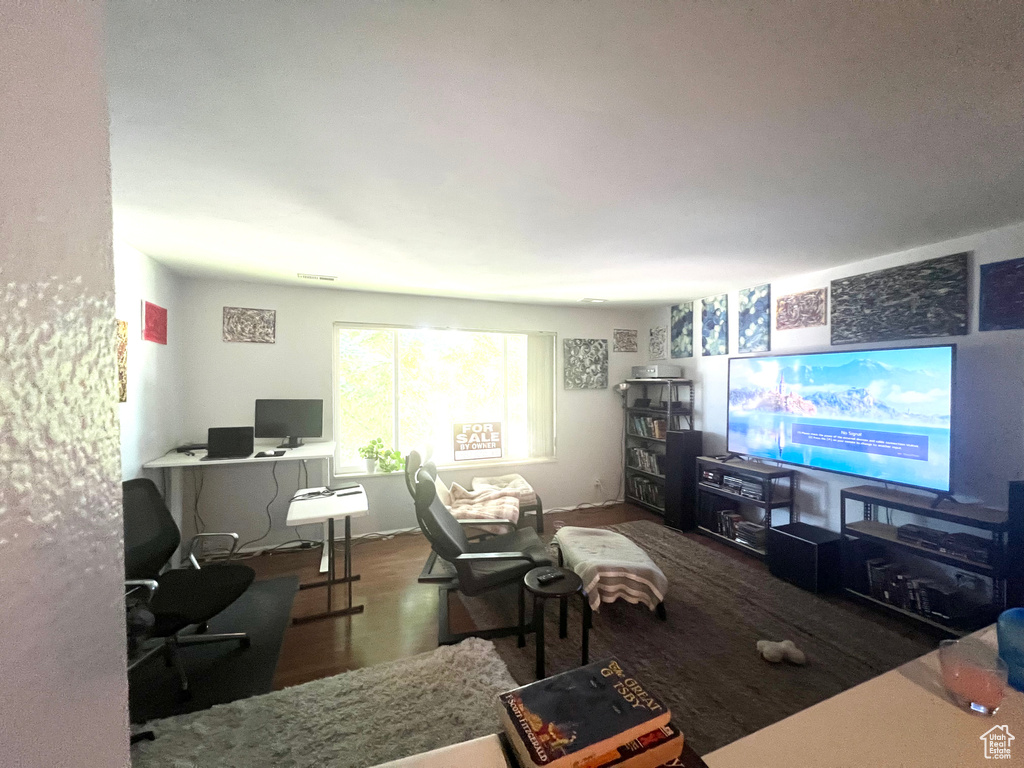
(370, 453)
(391, 461)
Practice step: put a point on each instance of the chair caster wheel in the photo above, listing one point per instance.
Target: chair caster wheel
(245, 642)
(185, 695)
(660, 612)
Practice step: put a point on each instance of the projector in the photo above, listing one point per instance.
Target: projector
(656, 371)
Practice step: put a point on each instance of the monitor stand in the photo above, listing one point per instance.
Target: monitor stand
(943, 495)
(291, 442)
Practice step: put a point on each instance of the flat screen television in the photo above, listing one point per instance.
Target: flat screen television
(883, 414)
(289, 419)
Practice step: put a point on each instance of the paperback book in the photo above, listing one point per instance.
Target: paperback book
(572, 719)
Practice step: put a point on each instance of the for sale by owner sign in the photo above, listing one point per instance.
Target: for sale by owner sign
(478, 440)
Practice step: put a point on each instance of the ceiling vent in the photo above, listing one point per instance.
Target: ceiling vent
(323, 278)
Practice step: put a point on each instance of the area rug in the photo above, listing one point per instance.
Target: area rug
(220, 672)
(703, 659)
(359, 718)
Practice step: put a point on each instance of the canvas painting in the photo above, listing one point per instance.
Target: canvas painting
(801, 310)
(154, 323)
(257, 326)
(625, 340)
(122, 361)
(682, 330)
(755, 319)
(915, 301)
(715, 325)
(585, 363)
(1001, 305)
(657, 342)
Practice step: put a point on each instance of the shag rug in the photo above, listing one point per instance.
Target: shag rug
(703, 660)
(359, 718)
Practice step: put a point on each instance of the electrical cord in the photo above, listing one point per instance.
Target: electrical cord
(197, 519)
(270, 520)
(299, 485)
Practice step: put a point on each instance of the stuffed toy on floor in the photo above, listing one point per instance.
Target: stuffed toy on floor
(776, 652)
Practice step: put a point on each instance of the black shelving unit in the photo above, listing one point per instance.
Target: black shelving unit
(656, 411)
(726, 486)
(881, 569)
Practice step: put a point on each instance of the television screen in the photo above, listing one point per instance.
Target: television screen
(879, 413)
(293, 419)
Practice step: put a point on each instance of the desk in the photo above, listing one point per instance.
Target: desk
(174, 464)
(320, 505)
(901, 718)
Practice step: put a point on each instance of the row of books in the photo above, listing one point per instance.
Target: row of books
(893, 584)
(646, 490)
(648, 461)
(596, 716)
(648, 426)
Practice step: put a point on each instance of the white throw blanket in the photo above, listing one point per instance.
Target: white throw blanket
(611, 567)
(515, 484)
(484, 505)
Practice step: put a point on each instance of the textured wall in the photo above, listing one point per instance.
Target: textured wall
(63, 689)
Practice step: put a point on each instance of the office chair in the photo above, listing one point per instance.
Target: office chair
(480, 566)
(178, 598)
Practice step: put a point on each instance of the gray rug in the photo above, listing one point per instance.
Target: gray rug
(703, 660)
(359, 718)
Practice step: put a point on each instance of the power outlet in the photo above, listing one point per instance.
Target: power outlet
(597, 482)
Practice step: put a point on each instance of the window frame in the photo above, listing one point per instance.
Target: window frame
(355, 469)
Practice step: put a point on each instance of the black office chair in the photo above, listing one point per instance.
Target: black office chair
(480, 566)
(178, 598)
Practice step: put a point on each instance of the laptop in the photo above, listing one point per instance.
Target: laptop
(228, 443)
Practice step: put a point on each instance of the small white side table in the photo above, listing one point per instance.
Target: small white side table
(318, 505)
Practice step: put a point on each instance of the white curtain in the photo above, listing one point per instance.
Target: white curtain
(540, 394)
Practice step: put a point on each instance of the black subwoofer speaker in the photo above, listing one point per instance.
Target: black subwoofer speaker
(805, 555)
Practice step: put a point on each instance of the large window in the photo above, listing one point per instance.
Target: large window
(411, 386)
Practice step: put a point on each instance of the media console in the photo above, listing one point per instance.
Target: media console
(725, 484)
(954, 578)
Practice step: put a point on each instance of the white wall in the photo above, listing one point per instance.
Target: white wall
(989, 418)
(151, 417)
(222, 381)
(63, 687)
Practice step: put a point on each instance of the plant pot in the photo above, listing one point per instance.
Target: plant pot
(371, 466)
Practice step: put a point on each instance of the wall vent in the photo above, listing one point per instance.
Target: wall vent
(325, 278)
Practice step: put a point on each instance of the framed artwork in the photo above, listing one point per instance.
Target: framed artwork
(915, 301)
(682, 329)
(122, 361)
(625, 340)
(585, 363)
(657, 342)
(256, 326)
(755, 319)
(714, 316)
(801, 310)
(1001, 302)
(154, 323)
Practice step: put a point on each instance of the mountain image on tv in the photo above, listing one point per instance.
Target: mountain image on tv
(879, 413)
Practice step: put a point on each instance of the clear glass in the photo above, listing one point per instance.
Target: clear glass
(973, 674)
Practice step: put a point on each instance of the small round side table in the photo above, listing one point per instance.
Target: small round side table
(563, 588)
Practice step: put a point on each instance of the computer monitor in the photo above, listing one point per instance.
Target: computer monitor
(290, 419)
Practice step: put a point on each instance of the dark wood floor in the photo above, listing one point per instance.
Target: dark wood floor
(400, 618)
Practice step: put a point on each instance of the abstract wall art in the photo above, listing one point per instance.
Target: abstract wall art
(585, 363)
(625, 340)
(801, 310)
(928, 298)
(658, 342)
(1001, 305)
(154, 323)
(714, 316)
(122, 361)
(755, 319)
(682, 330)
(256, 326)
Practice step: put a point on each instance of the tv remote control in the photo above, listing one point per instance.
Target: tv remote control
(547, 578)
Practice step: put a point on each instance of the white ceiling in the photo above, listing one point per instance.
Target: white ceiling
(646, 151)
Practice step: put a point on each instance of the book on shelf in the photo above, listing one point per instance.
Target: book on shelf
(582, 716)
